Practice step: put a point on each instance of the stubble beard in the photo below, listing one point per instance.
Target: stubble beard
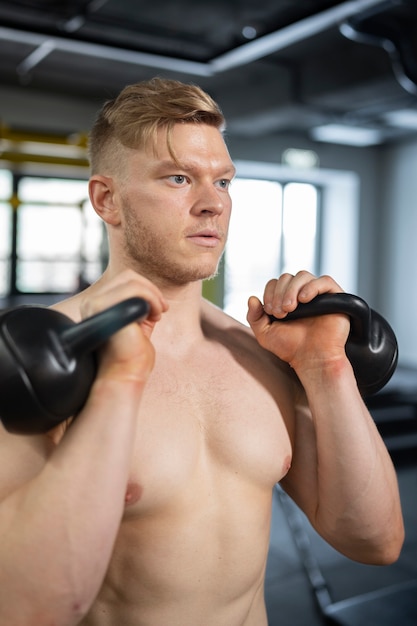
(147, 253)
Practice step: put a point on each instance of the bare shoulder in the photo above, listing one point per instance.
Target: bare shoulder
(239, 338)
(69, 307)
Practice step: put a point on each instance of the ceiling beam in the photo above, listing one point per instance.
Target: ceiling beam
(247, 53)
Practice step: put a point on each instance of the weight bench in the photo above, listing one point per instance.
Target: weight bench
(395, 605)
(391, 606)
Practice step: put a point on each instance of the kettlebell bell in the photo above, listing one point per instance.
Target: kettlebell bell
(371, 346)
(48, 362)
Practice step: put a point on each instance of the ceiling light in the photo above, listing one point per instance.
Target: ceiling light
(405, 118)
(249, 32)
(347, 135)
(302, 159)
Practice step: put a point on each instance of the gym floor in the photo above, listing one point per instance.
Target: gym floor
(289, 595)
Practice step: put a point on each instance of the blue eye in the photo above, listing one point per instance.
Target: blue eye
(179, 179)
(224, 183)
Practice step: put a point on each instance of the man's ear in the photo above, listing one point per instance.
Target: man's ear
(103, 198)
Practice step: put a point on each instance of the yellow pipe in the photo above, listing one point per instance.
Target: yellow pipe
(19, 136)
(20, 157)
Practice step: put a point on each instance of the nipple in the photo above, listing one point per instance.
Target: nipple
(286, 465)
(133, 494)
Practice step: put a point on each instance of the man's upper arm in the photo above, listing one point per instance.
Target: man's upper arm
(301, 481)
(21, 458)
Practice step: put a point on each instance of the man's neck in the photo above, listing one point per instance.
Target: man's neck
(181, 323)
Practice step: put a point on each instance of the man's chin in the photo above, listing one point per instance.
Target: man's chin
(190, 276)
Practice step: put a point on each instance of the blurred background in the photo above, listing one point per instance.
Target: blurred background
(321, 103)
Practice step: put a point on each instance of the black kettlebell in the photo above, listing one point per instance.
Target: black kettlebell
(48, 362)
(371, 346)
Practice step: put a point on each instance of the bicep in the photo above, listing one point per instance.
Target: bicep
(301, 482)
(21, 459)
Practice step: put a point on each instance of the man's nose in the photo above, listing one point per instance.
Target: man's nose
(210, 199)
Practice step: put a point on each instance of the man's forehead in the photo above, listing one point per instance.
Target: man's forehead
(187, 143)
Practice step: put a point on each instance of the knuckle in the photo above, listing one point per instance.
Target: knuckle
(271, 283)
(303, 273)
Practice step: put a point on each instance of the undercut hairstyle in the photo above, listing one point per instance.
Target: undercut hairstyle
(133, 118)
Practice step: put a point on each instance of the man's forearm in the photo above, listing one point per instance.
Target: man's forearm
(358, 508)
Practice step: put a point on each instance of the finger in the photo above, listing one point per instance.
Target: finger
(257, 319)
(125, 286)
(274, 293)
(317, 286)
(289, 296)
(255, 310)
(284, 294)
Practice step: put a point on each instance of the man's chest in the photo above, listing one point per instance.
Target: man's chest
(207, 419)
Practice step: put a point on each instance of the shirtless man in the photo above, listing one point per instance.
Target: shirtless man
(152, 508)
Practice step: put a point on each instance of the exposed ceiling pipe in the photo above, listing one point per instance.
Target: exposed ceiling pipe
(289, 35)
(393, 36)
(247, 53)
(35, 57)
(110, 53)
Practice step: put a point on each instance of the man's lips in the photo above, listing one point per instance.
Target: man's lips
(208, 238)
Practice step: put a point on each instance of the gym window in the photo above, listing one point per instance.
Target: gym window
(51, 240)
(274, 229)
(6, 192)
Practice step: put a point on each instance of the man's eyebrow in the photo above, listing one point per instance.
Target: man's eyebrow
(166, 163)
(190, 167)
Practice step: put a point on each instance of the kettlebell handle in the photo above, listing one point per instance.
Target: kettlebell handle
(371, 346)
(88, 335)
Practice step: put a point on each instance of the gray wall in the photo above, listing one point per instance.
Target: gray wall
(397, 246)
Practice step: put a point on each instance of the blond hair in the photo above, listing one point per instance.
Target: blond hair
(133, 118)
